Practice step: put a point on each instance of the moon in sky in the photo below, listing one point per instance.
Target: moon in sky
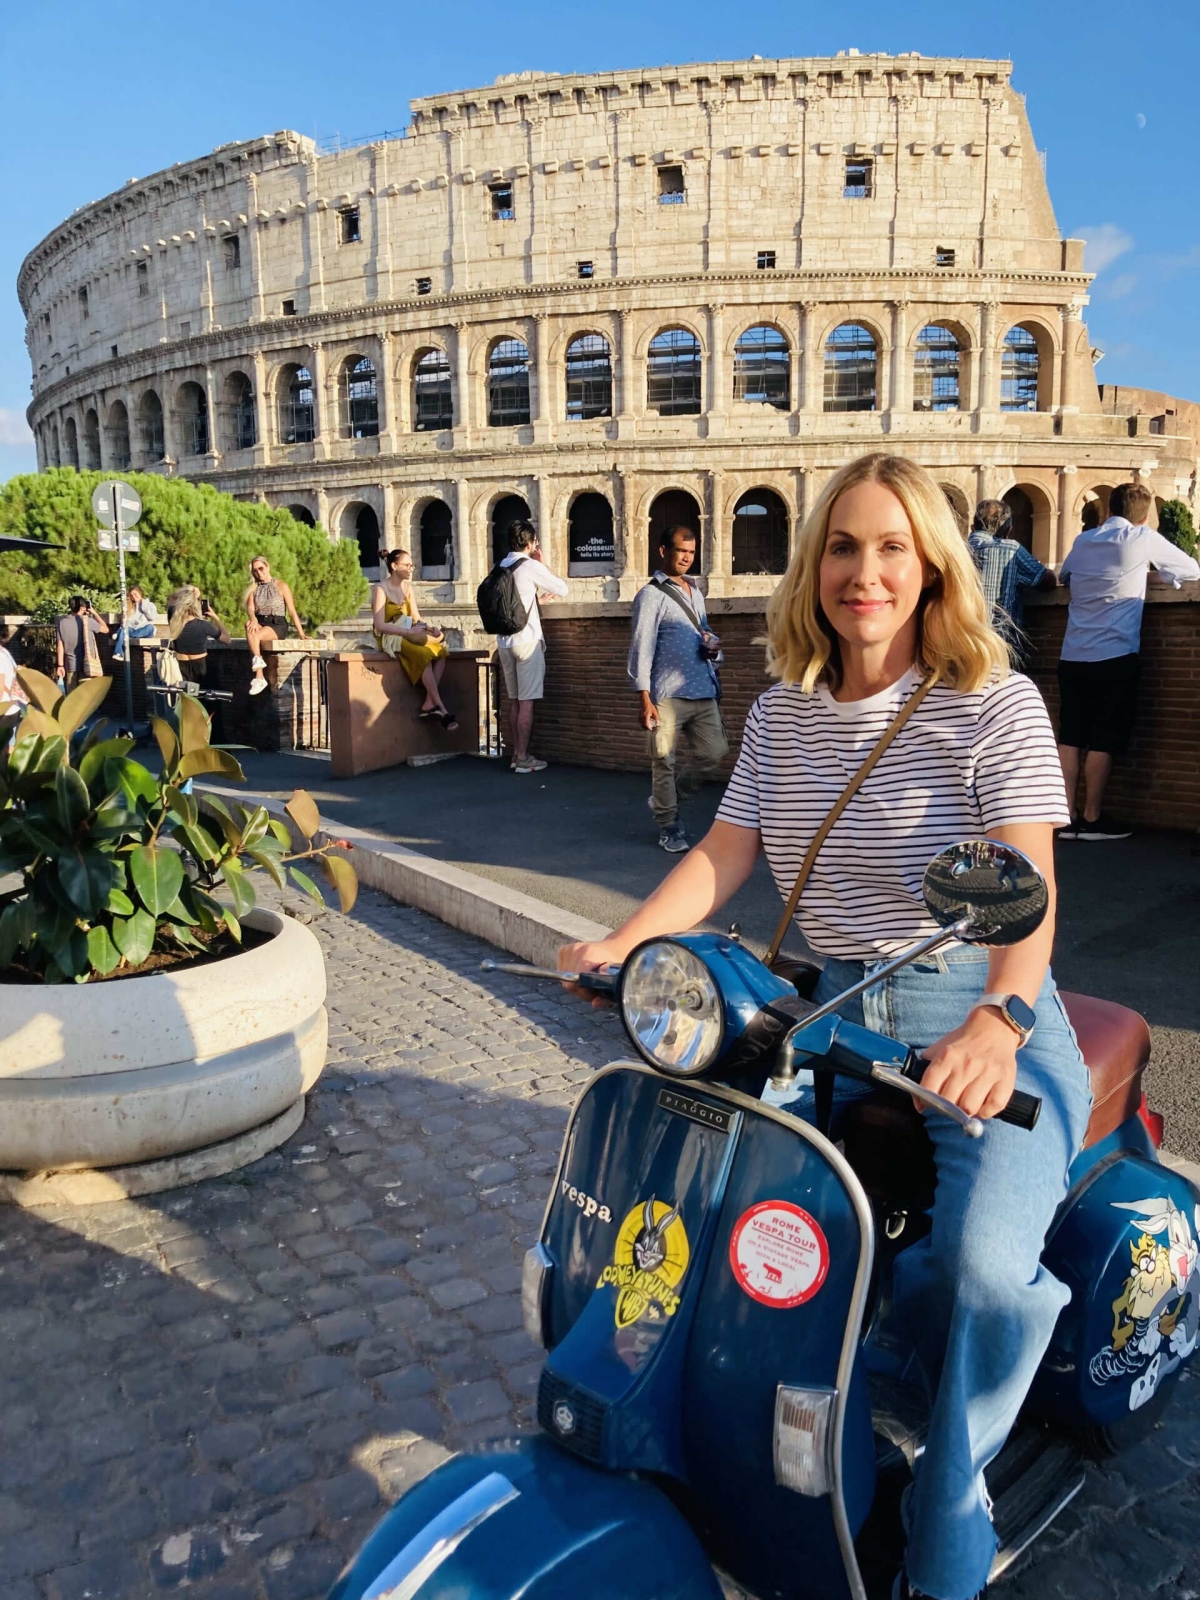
(1140, 119)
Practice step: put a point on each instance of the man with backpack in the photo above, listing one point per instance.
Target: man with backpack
(673, 666)
(508, 607)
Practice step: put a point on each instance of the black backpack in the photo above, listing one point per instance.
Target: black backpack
(501, 609)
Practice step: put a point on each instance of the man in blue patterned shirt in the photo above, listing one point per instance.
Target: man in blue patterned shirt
(673, 666)
(1005, 568)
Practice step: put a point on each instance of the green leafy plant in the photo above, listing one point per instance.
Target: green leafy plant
(58, 604)
(1175, 523)
(121, 867)
(190, 533)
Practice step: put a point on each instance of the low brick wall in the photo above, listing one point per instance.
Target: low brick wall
(589, 714)
(373, 711)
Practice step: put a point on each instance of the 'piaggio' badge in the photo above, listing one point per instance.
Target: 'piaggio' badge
(779, 1254)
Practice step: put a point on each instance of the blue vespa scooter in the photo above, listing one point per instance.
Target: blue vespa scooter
(728, 1389)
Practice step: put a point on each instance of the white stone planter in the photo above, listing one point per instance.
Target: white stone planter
(112, 1074)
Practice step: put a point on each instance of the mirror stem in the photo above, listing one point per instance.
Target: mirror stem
(935, 941)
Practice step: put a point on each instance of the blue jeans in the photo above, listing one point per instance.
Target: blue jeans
(143, 631)
(973, 1293)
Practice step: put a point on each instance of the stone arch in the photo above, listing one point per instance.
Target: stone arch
(675, 372)
(91, 440)
(429, 373)
(358, 398)
(760, 541)
(939, 367)
(71, 443)
(1032, 517)
(959, 504)
(507, 508)
(1095, 494)
(239, 414)
(683, 320)
(588, 370)
(508, 364)
(852, 368)
(762, 361)
(1027, 357)
(295, 404)
(191, 416)
(300, 514)
(152, 439)
(433, 539)
(840, 316)
(116, 429)
(55, 446)
(359, 520)
(591, 535)
(672, 508)
(577, 330)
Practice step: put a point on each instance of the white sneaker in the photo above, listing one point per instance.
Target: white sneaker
(257, 664)
(258, 685)
(530, 764)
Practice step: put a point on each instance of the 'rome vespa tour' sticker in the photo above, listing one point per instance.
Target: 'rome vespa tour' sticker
(778, 1254)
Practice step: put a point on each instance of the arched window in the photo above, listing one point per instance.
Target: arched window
(760, 368)
(508, 384)
(297, 410)
(302, 515)
(589, 378)
(936, 370)
(239, 422)
(508, 509)
(359, 400)
(117, 431)
(1020, 504)
(433, 401)
(71, 443)
(674, 508)
(1019, 371)
(673, 373)
(150, 428)
(55, 447)
(192, 410)
(590, 534)
(760, 533)
(359, 522)
(851, 369)
(437, 541)
(91, 442)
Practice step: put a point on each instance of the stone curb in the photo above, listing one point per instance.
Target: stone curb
(517, 922)
(93, 1186)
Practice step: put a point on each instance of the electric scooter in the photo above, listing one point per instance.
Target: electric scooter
(729, 1392)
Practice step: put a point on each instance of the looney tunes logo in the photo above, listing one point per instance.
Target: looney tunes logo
(1156, 1317)
(650, 1257)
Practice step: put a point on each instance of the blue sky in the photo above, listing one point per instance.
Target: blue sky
(93, 94)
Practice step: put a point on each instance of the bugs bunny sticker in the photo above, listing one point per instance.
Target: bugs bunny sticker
(1156, 1316)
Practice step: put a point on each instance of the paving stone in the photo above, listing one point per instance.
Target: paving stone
(307, 1575)
(274, 1471)
(343, 1327)
(474, 1402)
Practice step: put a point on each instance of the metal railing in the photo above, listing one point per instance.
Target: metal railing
(489, 708)
(310, 703)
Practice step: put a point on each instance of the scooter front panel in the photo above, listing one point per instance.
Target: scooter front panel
(1127, 1247)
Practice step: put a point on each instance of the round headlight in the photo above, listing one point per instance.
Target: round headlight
(672, 1008)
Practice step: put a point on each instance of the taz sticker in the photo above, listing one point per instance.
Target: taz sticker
(650, 1257)
(778, 1254)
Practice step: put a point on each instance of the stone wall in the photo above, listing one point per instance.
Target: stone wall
(589, 714)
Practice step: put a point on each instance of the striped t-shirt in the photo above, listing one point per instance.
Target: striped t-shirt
(962, 765)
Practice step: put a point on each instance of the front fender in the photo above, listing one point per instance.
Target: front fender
(526, 1519)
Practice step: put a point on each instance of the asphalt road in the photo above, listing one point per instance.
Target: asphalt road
(1129, 912)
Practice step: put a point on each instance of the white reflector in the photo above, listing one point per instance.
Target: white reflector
(803, 1418)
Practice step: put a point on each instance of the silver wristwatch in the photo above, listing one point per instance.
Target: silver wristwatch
(1018, 1013)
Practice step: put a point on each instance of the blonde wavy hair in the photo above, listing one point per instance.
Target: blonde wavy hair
(956, 643)
(183, 606)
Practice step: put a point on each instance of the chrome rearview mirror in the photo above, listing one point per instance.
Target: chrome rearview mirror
(997, 891)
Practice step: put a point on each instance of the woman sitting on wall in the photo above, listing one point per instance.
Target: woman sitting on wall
(418, 646)
(269, 604)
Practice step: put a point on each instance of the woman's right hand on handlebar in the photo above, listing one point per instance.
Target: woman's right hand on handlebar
(588, 958)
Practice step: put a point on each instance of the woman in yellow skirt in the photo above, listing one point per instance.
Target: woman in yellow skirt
(418, 646)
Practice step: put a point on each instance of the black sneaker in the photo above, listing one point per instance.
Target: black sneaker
(673, 840)
(1103, 828)
(1071, 831)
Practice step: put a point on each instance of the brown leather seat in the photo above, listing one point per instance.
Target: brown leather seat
(1115, 1043)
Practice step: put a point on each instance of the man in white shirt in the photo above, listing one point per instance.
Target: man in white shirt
(523, 655)
(1106, 569)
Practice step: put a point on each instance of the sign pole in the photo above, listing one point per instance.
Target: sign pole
(120, 532)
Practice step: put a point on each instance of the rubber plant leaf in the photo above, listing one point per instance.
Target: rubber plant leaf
(71, 799)
(168, 743)
(43, 691)
(91, 767)
(82, 702)
(239, 887)
(131, 777)
(270, 864)
(157, 874)
(232, 923)
(134, 936)
(209, 759)
(343, 878)
(194, 726)
(119, 904)
(35, 721)
(183, 805)
(102, 952)
(303, 881)
(86, 878)
(303, 812)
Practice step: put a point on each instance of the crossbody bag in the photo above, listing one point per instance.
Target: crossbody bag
(795, 971)
(671, 590)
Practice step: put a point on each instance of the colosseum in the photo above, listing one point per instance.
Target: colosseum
(618, 301)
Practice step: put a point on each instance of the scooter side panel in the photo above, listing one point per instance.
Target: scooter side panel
(1126, 1246)
(767, 1315)
(526, 1520)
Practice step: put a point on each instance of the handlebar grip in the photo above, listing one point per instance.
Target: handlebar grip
(602, 982)
(1022, 1110)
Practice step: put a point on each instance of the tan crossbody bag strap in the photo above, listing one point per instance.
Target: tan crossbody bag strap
(839, 805)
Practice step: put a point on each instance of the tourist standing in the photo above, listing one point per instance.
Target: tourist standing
(269, 605)
(138, 622)
(522, 654)
(673, 662)
(192, 627)
(1005, 569)
(13, 698)
(401, 633)
(76, 652)
(1106, 569)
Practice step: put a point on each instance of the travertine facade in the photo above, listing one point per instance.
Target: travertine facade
(255, 319)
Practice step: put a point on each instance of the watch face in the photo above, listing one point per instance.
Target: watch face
(1022, 1014)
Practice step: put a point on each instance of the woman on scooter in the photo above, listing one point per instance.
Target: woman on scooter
(880, 596)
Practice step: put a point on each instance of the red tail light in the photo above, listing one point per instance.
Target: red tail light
(1153, 1122)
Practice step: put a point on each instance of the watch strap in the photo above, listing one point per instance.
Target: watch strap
(1000, 1003)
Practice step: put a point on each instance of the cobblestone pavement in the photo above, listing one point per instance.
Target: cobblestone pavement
(218, 1390)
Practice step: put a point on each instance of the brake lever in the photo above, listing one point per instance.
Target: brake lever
(603, 981)
(895, 1079)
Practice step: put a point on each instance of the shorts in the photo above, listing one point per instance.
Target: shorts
(1097, 703)
(281, 625)
(524, 670)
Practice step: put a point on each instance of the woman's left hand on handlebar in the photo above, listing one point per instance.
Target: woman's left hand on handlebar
(975, 1065)
(587, 958)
